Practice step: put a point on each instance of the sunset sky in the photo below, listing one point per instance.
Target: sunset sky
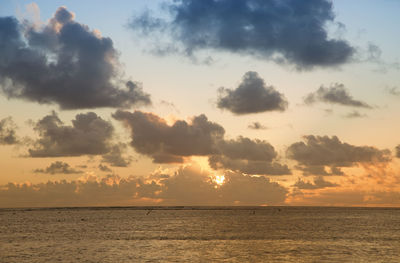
(189, 102)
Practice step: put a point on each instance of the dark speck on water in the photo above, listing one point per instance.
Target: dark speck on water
(200, 234)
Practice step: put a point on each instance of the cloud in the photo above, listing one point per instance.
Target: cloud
(63, 63)
(245, 148)
(247, 156)
(115, 156)
(394, 91)
(320, 170)
(313, 170)
(256, 126)
(319, 183)
(330, 151)
(89, 191)
(355, 114)
(251, 190)
(251, 96)
(248, 166)
(335, 94)
(8, 132)
(88, 135)
(58, 168)
(152, 136)
(189, 185)
(104, 168)
(373, 54)
(398, 151)
(284, 31)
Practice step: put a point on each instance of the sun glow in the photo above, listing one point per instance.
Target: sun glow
(219, 179)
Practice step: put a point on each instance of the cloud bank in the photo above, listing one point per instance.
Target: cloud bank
(187, 186)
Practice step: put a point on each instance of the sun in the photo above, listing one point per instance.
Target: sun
(219, 179)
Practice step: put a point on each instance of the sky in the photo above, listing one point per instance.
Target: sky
(214, 102)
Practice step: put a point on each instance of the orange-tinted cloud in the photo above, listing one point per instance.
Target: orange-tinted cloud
(189, 185)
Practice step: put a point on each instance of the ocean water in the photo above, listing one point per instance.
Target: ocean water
(200, 234)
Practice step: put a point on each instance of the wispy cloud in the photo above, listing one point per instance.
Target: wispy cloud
(58, 167)
(335, 94)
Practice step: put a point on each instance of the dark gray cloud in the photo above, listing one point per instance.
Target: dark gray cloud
(187, 186)
(286, 30)
(251, 96)
(152, 136)
(247, 156)
(8, 134)
(88, 135)
(330, 151)
(335, 94)
(319, 183)
(248, 166)
(63, 63)
(245, 148)
(116, 156)
(256, 126)
(58, 167)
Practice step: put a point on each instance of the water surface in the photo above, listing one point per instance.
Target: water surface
(206, 234)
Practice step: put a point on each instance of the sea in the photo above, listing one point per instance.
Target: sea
(200, 234)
